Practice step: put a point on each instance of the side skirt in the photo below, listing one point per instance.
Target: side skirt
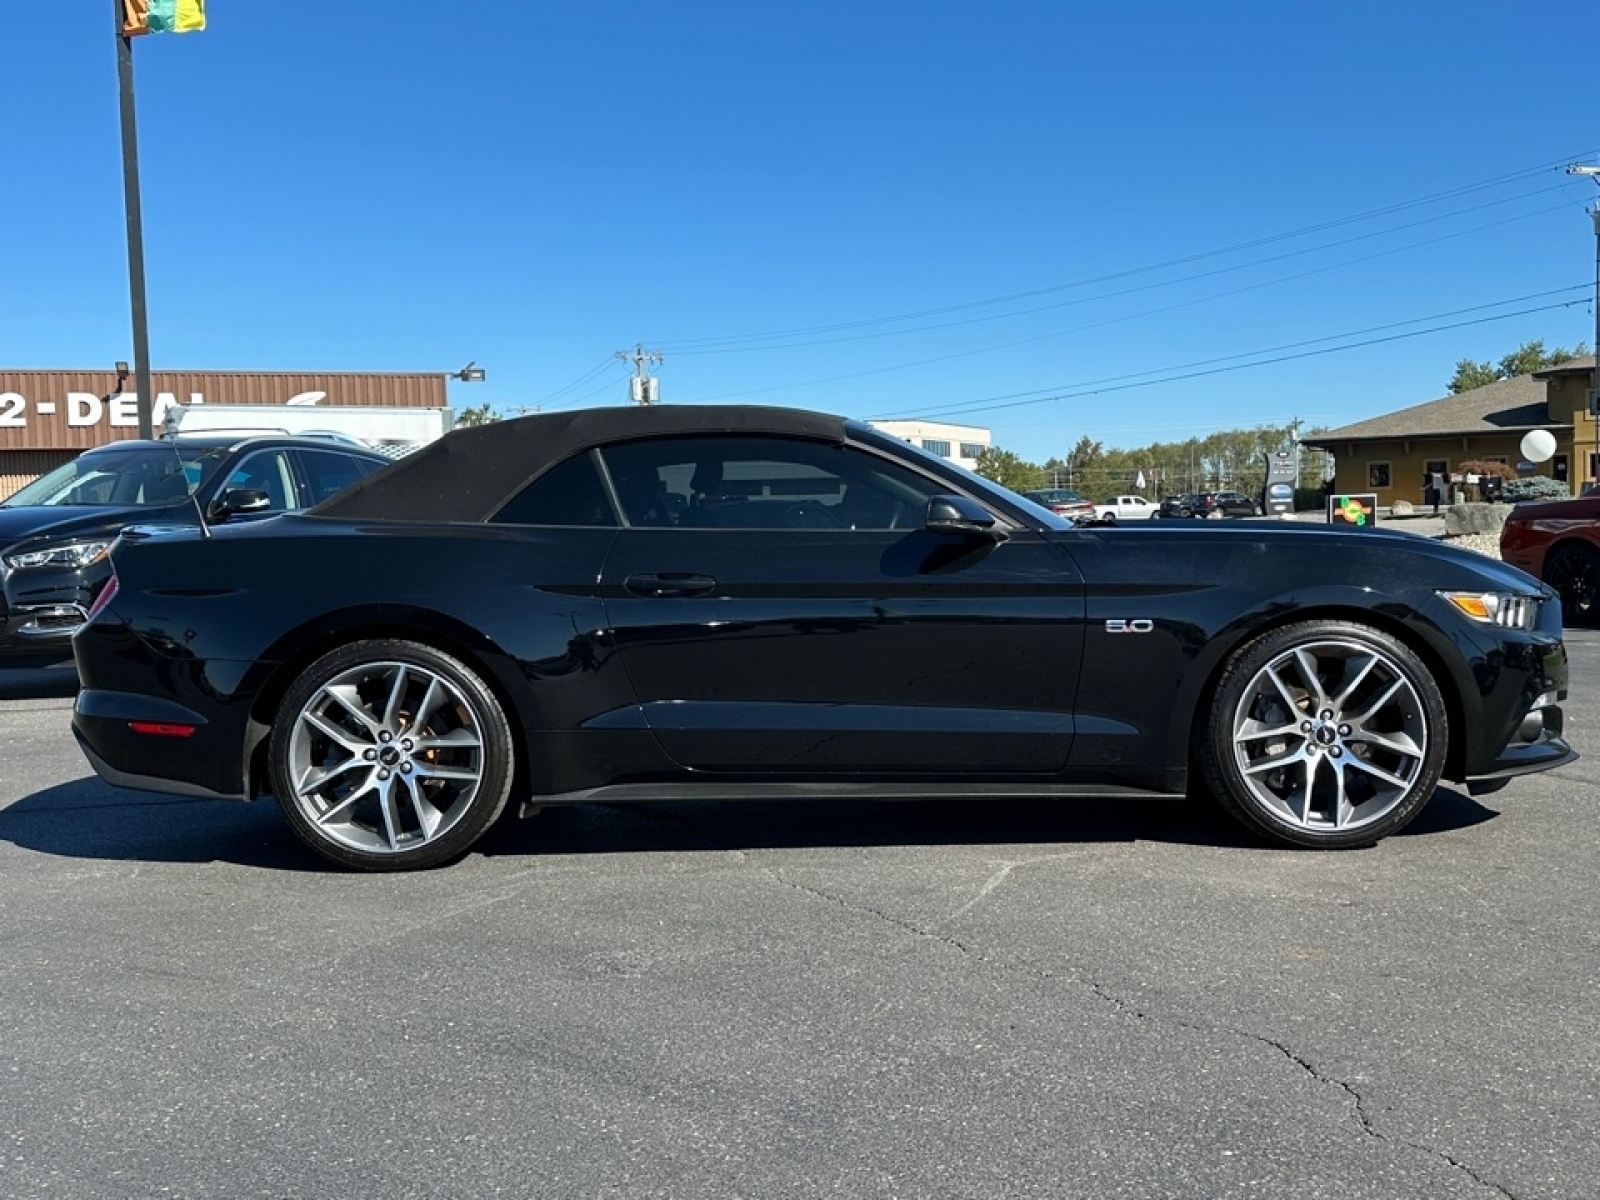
(643, 793)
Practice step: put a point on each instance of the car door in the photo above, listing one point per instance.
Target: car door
(324, 472)
(779, 606)
(268, 470)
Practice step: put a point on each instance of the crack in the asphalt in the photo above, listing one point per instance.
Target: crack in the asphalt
(1358, 1102)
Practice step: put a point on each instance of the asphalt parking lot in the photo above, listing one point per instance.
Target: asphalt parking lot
(919, 1000)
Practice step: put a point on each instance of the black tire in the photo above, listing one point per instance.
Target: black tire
(1574, 571)
(1367, 731)
(389, 755)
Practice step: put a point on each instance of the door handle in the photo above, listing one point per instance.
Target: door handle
(670, 583)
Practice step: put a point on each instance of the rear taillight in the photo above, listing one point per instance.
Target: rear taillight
(104, 598)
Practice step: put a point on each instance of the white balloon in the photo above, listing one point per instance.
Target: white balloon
(1538, 445)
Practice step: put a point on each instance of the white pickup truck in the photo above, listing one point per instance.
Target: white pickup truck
(1126, 508)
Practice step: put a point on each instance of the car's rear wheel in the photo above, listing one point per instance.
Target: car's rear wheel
(1325, 734)
(388, 755)
(1574, 572)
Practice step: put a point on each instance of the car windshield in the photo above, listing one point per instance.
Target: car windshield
(133, 475)
(978, 483)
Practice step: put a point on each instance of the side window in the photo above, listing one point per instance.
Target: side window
(328, 471)
(736, 482)
(266, 471)
(570, 493)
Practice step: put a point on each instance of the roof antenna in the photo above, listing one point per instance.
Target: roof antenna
(170, 430)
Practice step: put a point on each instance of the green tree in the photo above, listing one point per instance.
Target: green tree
(1471, 375)
(1524, 360)
(1008, 469)
(476, 414)
(1085, 455)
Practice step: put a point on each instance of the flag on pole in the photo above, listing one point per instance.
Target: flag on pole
(1139, 482)
(163, 16)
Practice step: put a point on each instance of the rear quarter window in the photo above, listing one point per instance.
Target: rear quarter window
(570, 493)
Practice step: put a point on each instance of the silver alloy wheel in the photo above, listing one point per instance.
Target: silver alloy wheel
(385, 757)
(1330, 736)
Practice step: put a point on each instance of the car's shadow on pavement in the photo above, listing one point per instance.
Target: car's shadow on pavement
(41, 683)
(606, 829)
(89, 819)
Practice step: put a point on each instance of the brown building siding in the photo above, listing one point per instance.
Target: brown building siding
(1394, 455)
(75, 410)
(21, 467)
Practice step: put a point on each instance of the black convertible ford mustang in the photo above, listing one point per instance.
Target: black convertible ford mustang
(736, 602)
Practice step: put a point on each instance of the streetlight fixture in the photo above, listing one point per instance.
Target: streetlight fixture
(471, 373)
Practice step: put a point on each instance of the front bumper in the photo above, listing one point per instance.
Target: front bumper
(41, 610)
(1539, 744)
(39, 635)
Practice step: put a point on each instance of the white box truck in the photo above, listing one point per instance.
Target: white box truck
(389, 429)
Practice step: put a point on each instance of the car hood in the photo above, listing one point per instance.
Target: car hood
(50, 520)
(1577, 508)
(1377, 557)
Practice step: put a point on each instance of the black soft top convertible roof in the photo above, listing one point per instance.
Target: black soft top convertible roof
(470, 472)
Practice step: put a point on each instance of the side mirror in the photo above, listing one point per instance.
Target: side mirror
(962, 517)
(238, 502)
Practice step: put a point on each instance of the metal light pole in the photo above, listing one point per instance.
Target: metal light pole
(1594, 380)
(130, 193)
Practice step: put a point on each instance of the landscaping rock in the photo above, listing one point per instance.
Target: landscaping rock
(1462, 519)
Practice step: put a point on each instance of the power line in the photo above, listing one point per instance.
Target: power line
(1147, 287)
(959, 354)
(1332, 337)
(686, 345)
(602, 365)
(1079, 391)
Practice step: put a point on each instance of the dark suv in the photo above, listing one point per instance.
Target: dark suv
(1210, 504)
(56, 531)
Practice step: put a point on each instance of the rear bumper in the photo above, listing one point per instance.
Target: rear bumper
(148, 783)
(205, 763)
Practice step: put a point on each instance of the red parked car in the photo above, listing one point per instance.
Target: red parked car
(1062, 501)
(1559, 542)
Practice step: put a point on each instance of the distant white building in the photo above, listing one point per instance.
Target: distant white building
(961, 444)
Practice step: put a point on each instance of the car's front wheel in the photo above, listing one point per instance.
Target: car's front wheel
(388, 755)
(1325, 734)
(1574, 571)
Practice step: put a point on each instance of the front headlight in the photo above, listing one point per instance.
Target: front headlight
(1504, 609)
(73, 555)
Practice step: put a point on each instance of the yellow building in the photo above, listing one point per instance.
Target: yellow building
(1397, 456)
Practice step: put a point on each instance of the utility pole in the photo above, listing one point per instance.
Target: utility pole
(130, 199)
(1594, 380)
(642, 388)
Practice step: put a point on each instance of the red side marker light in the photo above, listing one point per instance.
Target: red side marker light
(161, 729)
(104, 598)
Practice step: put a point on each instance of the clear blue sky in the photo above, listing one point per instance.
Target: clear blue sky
(875, 208)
